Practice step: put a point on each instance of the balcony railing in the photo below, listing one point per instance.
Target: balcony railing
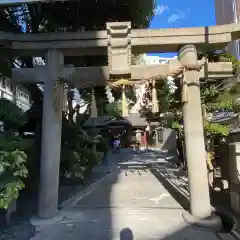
(19, 102)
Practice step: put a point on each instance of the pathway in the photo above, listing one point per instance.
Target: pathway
(130, 203)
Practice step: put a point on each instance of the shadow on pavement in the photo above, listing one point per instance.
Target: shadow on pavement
(103, 212)
(176, 194)
(126, 234)
(158, 164)
(155, 167)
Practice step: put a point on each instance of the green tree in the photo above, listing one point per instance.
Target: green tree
(13, 158)
(46, 17)
(113, 109)
(216, 95)
(11, 115)
(71, 16)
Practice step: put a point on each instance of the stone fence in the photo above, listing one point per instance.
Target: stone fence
(228, 164)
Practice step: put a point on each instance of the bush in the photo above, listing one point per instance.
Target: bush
(76, 164)
(12, 171)
(12, 153)
(15, 142)
(12, 116)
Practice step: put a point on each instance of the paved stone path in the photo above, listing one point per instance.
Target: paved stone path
(130, 203)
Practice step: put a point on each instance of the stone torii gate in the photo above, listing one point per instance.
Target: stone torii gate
(118, 42)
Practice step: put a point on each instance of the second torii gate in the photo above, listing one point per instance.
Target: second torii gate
(120, 40)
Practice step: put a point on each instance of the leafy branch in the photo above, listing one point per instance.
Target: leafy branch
(12, 171)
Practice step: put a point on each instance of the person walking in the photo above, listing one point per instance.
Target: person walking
(116, 144)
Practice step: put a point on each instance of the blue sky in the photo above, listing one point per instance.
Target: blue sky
(183, 13)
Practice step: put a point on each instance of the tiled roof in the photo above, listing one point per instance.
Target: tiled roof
(132, 119)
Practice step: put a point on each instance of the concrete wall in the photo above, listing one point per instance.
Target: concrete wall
(222, 155)
(168, 139)
(226, 13)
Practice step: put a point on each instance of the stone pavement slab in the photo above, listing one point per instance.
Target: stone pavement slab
(130, 204)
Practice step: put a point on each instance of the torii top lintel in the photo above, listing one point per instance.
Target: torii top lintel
(121, 35)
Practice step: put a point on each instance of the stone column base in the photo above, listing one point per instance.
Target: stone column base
(212, 223)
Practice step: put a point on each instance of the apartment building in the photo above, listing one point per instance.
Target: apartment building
(228, 11)
(17, 94)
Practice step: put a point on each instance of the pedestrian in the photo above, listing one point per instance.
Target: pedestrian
(181, 161)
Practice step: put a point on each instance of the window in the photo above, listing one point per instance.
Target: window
(22, 95)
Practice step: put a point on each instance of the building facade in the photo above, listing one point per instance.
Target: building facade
(17, 94)
(148, 60)
(228, 11)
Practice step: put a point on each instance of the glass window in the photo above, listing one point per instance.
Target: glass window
(22, 95)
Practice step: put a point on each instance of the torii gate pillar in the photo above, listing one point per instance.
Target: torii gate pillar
(51, 140)
(194, 139)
